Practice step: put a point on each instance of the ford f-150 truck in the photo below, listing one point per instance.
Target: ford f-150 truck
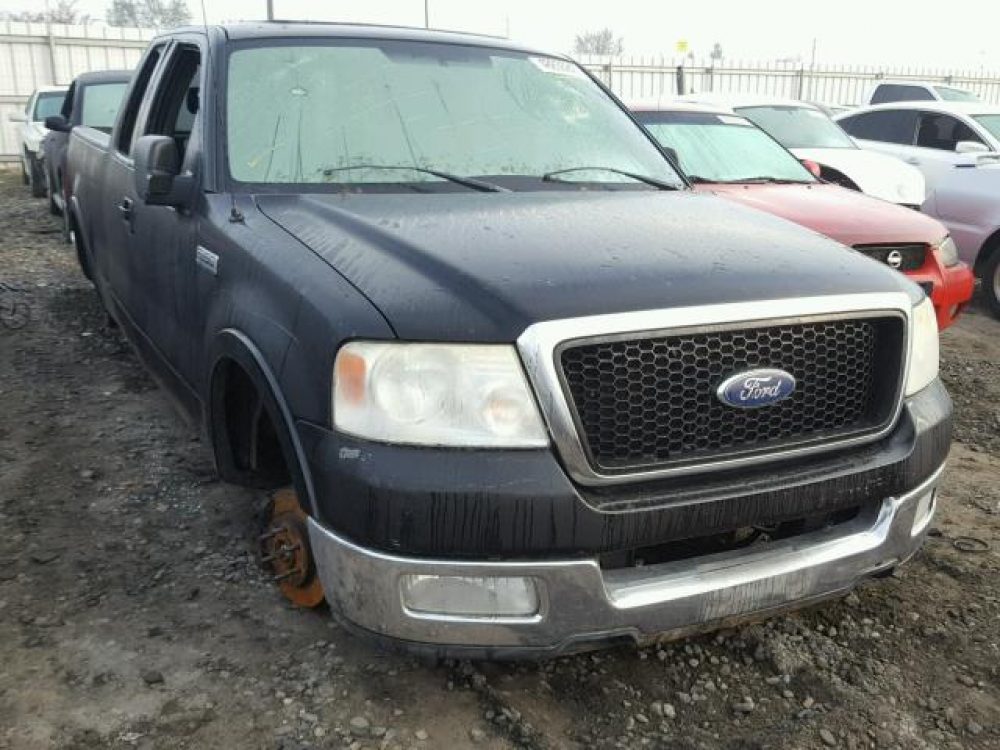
(515, 389)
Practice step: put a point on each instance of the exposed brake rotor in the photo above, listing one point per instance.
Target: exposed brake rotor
(285, 550)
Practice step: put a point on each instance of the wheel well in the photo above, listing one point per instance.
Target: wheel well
(247, 443)
(991, 246)
(828, 174)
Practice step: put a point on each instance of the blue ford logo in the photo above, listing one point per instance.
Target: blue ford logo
(753, 388)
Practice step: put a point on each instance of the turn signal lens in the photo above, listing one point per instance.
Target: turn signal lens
(923, 348)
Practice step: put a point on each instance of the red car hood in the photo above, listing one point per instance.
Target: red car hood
(847, 216)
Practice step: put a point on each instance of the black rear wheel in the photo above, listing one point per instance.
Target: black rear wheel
(36, 177)
(50, 195)
(991, 282)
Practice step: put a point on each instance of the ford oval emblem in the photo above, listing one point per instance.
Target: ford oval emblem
(751, 389)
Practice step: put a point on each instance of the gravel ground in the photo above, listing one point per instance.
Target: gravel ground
(133, 614)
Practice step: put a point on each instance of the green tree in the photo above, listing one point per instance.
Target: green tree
(603, 42)
(160, 14)
(64, 12)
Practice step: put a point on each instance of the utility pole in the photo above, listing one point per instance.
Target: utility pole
(270, 10)
(427, 14)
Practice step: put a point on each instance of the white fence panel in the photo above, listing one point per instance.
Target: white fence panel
(35, 54)
(649, 79)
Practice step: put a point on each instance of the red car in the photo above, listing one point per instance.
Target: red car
(724, 153)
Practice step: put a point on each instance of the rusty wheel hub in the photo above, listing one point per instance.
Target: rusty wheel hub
(285, 551)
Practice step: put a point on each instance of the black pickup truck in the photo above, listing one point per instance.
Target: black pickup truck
(516, 390)
(93, 100)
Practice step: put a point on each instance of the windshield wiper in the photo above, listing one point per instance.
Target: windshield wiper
(766, 181)
(554, 176)
(697, 179)
(469, 182)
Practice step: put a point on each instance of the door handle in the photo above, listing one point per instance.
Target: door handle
(912, 160)
(125, 208)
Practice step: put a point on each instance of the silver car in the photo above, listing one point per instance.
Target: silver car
(967, 201)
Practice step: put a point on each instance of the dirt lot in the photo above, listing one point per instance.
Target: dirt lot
(133, 615)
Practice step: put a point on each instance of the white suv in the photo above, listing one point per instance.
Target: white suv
(935, 137)
(46, 101)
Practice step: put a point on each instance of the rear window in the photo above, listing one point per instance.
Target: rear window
(100, 105)
(47, 104)
(895, 92)
(949, 94)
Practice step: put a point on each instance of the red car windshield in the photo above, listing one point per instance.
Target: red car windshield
(723, 148)
(798, 127)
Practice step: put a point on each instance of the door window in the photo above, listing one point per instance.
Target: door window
(174, 110)
(895, 92)
(888, 126)
(943, 132)
(124, 143)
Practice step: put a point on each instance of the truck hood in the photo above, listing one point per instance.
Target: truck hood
(882, 176)
(841, 214)
(483, 267)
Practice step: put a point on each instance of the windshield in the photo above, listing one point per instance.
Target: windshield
(948, 94)
(798, 127)
(304, 113)
(990, 122)
(722, 148)
(47, 104)
(100, 105)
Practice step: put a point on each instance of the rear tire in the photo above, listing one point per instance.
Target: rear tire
(50, 195)
(36, 176)
(991, 282)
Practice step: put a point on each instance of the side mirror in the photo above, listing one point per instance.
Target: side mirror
(57, 123)
(814, 169)
(17, 117)
(158, 178)
(971, 147)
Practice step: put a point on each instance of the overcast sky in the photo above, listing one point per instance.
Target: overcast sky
(846, 31)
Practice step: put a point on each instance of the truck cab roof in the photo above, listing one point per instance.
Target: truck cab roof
(244, 31)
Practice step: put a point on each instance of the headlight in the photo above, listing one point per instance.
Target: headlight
(923, 348)
(949, 251)
(460, 395)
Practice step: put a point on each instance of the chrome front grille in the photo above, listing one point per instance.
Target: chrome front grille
(631, 396)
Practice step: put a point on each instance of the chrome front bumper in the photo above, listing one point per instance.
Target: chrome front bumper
(580, 605)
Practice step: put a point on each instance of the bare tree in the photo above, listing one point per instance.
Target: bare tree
(716, 53)
(158, 14)
(64, 12)
(603, 42)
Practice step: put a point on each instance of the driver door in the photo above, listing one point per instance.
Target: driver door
(163, 243)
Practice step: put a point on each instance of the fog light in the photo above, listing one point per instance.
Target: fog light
(924, 512)
(470, 596)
